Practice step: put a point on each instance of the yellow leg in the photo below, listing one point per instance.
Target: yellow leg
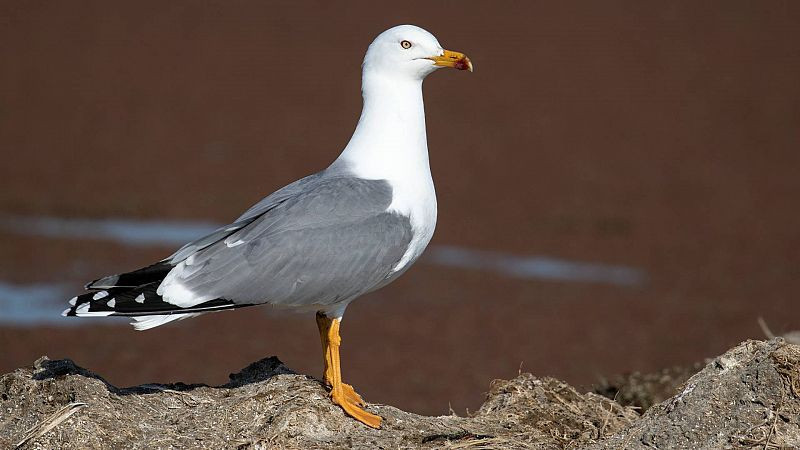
(341, 394)
(324, 324)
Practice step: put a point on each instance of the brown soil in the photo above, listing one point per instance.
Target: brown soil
(643, 390)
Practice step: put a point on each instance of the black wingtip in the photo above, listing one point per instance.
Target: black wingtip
(145, 275)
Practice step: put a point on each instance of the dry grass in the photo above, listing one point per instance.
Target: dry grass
(51, 422)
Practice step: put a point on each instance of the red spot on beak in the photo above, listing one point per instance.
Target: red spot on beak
(464, 64)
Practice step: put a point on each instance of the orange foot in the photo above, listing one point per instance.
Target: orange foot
(351, 395)
(350, 402)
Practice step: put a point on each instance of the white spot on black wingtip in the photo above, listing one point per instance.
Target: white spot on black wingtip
(139, 298)
(73, 301)
(65, 313)
(100, 295)
(111, 303)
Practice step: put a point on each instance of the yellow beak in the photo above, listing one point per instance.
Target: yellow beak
(452, 59)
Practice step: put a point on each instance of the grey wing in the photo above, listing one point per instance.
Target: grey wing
(330, 242)
(253, 213)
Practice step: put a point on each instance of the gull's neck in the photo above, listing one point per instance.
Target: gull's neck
(389, 141)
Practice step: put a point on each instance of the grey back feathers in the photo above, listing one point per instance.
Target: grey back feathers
(267, 203)
(328, 240)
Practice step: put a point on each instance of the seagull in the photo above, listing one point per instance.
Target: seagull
(320, 242)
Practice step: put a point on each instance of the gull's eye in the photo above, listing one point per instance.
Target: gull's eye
(405, 44)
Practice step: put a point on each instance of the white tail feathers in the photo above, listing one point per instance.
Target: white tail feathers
(141, 323)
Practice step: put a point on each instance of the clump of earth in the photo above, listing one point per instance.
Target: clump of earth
(747, 397)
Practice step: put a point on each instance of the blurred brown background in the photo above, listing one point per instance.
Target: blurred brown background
(660, 136)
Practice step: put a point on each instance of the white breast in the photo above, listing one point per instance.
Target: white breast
(417, 200)
(413, 194)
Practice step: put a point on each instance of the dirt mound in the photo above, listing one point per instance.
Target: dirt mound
(749, 396)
